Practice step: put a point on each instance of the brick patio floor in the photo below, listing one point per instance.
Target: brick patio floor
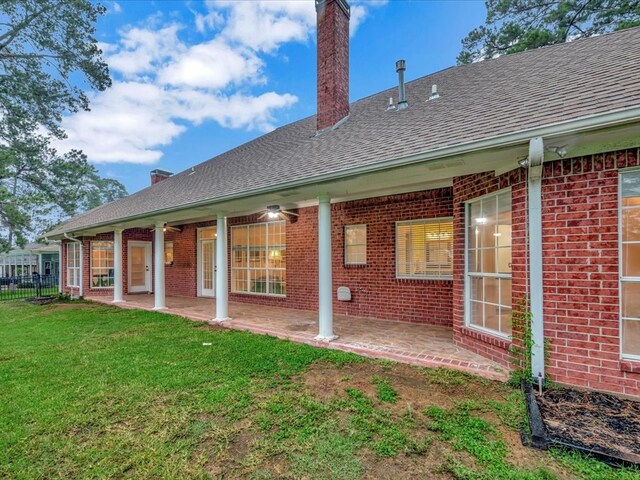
(423, 345)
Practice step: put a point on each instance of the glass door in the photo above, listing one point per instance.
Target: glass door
(207, 262)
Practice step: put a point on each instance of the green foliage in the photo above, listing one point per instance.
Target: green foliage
(522, 344)
(385, 391)
(480, 439)
(48, 53)
(517, 25)
(589, 469)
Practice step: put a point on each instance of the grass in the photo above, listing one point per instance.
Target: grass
(98, 392)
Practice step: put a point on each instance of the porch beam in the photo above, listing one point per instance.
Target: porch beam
(222, 281)
(117, 266)
(158, 268)
(325, 280)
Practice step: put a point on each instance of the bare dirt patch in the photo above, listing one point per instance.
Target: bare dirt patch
(416, 390)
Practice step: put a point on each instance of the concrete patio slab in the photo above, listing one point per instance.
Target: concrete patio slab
(416, 344)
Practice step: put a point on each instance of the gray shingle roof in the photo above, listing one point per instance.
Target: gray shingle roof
(478, 101)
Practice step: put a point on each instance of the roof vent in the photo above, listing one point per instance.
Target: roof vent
(401, 66)
(391, 105)
(434, 92)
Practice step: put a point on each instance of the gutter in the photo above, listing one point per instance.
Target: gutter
(75, 240)
(592, 122)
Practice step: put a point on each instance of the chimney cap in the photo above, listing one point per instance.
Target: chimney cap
(164, 173)
(401, 66)
(344, 5)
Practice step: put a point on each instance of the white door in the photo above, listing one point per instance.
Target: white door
(207, 262)
(139, 266)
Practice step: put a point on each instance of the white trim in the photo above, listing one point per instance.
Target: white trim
(366, 242)
(76, 246)
(199, 271)
(148, 283)
(267, 293)
(91, 286)
(467, 274)
(621, 280)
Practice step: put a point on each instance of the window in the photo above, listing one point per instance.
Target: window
(258, 260)
(630, 267)
(488, 281)
(73, 264)
(355, 245)
(102, 264)
(168, 253)
(424, 249)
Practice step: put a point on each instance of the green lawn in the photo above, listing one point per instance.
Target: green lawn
(90, 391)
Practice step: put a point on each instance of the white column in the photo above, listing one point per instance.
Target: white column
(325, 282)
(536, 159)
(117, 266)
(158, 268)
(222, 281)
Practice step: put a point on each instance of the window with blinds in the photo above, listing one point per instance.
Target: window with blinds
(424, 249)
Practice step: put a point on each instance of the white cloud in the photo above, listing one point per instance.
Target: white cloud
(213, 64)
(264, 25)
(163, 85)
(116, 7)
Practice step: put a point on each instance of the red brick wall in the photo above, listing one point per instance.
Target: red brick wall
(580, 254)
(468, 188)
(333, 64)
(375, 290)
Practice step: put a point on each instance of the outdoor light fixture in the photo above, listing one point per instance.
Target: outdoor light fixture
(561, 150)
(273, 211)
(524, 162)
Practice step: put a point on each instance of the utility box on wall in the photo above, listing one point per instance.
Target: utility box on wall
(344, 294)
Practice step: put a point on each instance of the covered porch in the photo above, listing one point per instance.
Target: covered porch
(416, 344)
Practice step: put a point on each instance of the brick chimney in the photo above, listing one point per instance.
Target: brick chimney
(158, 175)
(333, 62)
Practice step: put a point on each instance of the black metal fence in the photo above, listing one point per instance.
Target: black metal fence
(28, 286)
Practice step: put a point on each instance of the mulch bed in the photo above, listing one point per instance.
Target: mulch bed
(600, 423)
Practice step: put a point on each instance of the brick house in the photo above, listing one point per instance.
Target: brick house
(470, 189)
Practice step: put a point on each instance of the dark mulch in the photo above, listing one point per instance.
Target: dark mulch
(594, 421)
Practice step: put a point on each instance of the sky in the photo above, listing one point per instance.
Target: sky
(194, 79)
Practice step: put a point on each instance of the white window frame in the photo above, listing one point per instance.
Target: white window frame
(346, 245)
(91, 267)
(73, 271)
(467, 276)
(621, 278)
(267, 292)
(415, 222)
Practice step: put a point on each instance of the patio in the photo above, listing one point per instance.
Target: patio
(422, 345)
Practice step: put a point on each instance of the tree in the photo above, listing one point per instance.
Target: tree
(48, 57)
(518, 25)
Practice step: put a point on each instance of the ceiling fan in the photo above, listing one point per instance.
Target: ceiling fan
(274, 212)
(168, 228)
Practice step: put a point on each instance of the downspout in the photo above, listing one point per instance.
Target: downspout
(536, 158)
(75, 240)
